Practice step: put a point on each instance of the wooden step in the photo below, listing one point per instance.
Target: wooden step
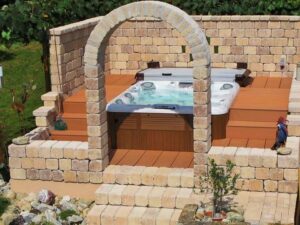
(256, 115)
(75, 121)
(251, 130)
(68, 135)
(75, 103)
(127, 215)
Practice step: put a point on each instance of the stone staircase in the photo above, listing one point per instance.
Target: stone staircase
(142, 195)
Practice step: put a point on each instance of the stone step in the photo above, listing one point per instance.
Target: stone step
(123, 215)
(156, 197)
(150, 176)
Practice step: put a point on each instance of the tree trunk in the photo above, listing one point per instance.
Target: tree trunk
(46, 61)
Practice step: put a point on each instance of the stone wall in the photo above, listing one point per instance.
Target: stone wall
(261, 41)
(66, 55)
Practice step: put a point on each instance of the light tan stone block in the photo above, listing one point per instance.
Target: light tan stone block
(256, 185)
(123, 175)
(109, 174)
(96, 177)
(128, 195)
(83, 177)
(115, 194)
(141, 197)
(94, 215)
(216, 153)
(65, 164)
(45, 149)
(81, 152)
(149, 216)
(102, 194)
(270, 185)
(27, 163)
(122, 214)
(174, 178)
(70, 176)
(229, 154)
(262, 173)
(135, 216)
(18, 174)
(52, 164)
(69, 149)
(291, 174)
(288, 186)
(270, 158)
(15, 163)
(247, 172)
(276, 174)
(241, 156)
(32, 150)
(175, 217)
(183, 197)
(107, 217)
(155, 196)
(187, 178)
(57, 150)
(164, 216)
(169, 197)
(16, 150)
(148, 175)
(161, 179)
(39, 163)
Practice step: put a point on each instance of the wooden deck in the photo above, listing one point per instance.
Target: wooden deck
(156, 158)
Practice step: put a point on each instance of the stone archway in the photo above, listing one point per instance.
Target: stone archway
(94, 74)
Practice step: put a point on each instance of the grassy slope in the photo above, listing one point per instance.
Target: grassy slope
(20, 64)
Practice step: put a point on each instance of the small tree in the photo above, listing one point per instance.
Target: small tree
(220, 181)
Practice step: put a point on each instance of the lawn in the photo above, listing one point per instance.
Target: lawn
(20, 65)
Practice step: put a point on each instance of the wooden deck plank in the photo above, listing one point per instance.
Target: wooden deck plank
(166, 159)
(183, 160)
(117, 155)
(221, 142)
(273, 82)
(286, 82)
(256, 143)
(235, 142)
(132, 157)
(259, 82)
(191, 164)
(149, 158)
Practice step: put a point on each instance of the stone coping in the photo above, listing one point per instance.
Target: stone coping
(93, 21)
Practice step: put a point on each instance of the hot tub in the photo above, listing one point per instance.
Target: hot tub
(158, 115)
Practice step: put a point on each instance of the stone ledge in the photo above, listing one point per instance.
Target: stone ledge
(50, 96)
(140, 175)
(43, 111)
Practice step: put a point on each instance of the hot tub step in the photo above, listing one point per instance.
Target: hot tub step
(249, 129)
(68, 135)
(256, 115)
(75, 103)
(75, 121)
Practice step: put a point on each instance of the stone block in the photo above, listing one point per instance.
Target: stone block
(122, 214)
(216, 153)
(141, 197)
(39, 163)
(128, 195)
(96, 165)
(15, 163)
(96, 177)
(52, 164)
(291, 174)
(229, 154)
(270, 158)
(107, 217)
(83, 177)
(81, 152)
(256, 157)
(270, 185)
(169, 197)
(65, 164)
(32, 174)
(183, 197)
(155, 196)
(45, 149)
(174, 178)
(242, 184)
(27, 163)
(18, 174)
(136, 214)
(262, 173)
(242, 156)
(288, 186)
(69, 149)
(57, 150)
(247, 172)
(161, 178)
(57, 175)
(70, 176)
(164, 216)
(187, 178)
(256, 185)
(123, 175)
(94, 215)
(148, 175)
(109, 174)
(276, 174)
(115, 195)
(32, 150)
(80, 165)
(17, 151)
(45, 175)
(149, 216)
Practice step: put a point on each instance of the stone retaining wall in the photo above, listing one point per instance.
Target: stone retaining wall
(262, 169)
(260, 41)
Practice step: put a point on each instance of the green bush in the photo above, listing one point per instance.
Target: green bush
(66, 213)
(4, 203)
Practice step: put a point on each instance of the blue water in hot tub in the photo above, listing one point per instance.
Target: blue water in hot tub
(150, 93)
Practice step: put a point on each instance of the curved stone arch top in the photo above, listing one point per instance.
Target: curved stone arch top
(94, 73)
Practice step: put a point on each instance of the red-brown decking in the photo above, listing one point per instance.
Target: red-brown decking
(254, 112)
(156, 158)
(74, 108)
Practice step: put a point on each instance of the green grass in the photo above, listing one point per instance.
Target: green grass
(4, 203)
(20, 65)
